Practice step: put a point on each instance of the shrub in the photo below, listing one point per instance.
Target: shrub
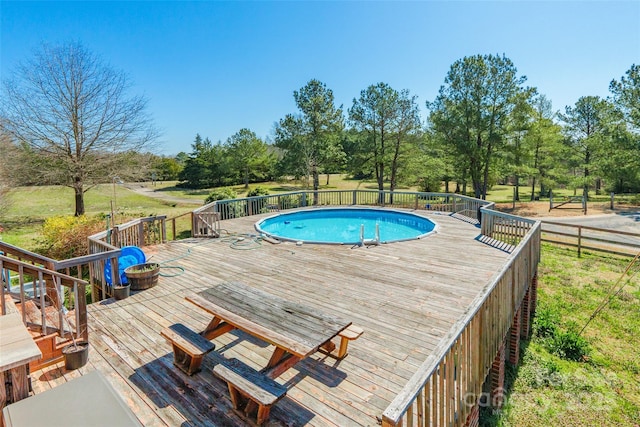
(294, 201)
(546, 321)
(569, 345)
(258, 191)
(65, 237)
(221, 194)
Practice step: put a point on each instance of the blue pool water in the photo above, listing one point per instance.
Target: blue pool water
(342, 226)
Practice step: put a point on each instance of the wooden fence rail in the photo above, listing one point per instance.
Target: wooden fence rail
(591, 238)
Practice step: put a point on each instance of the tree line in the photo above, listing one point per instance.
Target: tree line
(68, 118)
(485, 126)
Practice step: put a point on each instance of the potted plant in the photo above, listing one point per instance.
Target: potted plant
(121, 291)
(75, 354)
(142, 276)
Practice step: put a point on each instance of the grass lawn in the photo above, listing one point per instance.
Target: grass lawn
(602, 390)
(30, 206)
(336, 182)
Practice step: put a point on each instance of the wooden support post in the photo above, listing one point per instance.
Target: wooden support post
(579, 241)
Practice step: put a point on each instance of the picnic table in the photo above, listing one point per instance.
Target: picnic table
(295, 330)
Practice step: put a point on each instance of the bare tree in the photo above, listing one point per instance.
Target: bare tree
(6, 148)
(74, 118)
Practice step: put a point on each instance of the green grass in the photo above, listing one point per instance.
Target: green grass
(30, 206)
(336, 182)
(604, 389)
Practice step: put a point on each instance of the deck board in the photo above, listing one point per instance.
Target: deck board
(406, 296)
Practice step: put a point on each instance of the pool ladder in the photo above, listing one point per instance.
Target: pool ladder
(368, 242)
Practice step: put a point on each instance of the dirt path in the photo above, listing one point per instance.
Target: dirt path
(625, 218)
(151, 192)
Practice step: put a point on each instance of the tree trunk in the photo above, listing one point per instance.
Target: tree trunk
(533, 189)
(446, 185)
(517, 195)
(316, 184)
(328, 175)
(380, 177)
(79, 198)
(246, 179)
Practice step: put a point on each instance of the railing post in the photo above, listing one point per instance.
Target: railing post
(579, 241)
(141, 241)
(355, 197)
(612, 197)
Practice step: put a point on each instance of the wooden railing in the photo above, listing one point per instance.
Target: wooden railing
(105, 246)
(205, 221)
(174, 221)
(46, 288)
(591, 238)
(508, 230)
(449, 383)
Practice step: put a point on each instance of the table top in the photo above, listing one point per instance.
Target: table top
(89, 400)
(294, 327)
(16, 344)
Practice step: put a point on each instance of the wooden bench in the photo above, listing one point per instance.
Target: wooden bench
(249, 388)
(349, 334)
(189, 347)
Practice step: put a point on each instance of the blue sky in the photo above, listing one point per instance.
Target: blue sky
(215, 67)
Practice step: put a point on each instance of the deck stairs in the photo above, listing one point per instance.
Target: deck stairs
(51, 339)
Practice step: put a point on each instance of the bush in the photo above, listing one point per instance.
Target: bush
(566, 344)
(546, 321)
(221, 194)
(289, 201)
(569, 345)
(65, 237)
(258, 191)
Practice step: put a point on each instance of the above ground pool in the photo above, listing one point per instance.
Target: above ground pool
(346, 226)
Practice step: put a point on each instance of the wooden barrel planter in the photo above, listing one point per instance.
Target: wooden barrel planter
(143, 276)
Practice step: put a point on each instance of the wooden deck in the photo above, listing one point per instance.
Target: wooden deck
(406, 296)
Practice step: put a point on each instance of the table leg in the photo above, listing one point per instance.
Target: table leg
(3, 394)
(19, 383)
(215, 328)
(279, 363)
(277, 355)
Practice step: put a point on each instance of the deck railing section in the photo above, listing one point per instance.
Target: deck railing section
(105, 246)
(43, 287)
(205, 221)
(449, 383)
(502, 227)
